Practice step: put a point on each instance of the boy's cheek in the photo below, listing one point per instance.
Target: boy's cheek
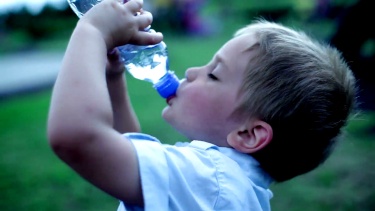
(199, 107)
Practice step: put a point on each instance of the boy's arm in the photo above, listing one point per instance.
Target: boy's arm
(124, 116)
(81, 121)
(80, 124)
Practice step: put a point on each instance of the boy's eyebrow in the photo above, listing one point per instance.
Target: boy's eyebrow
(220, 59)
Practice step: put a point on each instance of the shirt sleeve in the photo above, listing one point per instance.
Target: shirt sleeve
(176, 178)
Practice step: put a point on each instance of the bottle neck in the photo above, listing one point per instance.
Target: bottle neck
(167, 86)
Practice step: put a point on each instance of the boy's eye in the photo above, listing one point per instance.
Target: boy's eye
(212, 76)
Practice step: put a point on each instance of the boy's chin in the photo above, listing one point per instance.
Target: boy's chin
(167, 115)
(164, 112)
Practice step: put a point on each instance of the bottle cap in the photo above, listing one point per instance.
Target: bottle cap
(167, 85)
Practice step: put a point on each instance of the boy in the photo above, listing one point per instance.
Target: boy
(268, 107)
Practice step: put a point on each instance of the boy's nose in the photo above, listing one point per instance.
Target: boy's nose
(191, 74)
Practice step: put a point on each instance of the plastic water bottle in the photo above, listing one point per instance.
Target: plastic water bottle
(147, 63)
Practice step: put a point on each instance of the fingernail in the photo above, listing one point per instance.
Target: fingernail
(111, 52)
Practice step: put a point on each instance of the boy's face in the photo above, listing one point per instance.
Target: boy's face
(209, 94)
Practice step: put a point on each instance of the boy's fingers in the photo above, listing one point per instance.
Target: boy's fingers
(147, 38)
(144, 20)
(113, 55)
(134, 5)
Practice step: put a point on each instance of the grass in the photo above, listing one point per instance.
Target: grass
(33, 178)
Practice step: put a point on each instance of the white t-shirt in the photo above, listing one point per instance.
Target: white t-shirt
(198, 176)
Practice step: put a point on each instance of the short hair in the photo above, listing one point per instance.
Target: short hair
(303, 89)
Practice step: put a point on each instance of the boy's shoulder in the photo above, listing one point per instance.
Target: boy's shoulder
(181, 170)
(202, 153)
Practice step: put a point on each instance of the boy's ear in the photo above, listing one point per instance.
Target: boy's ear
(251, 137)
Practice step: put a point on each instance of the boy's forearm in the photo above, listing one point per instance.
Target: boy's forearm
(80, 124)
(124, 116)
(80, 102)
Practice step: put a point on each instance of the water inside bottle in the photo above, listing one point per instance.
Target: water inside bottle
(148, 63)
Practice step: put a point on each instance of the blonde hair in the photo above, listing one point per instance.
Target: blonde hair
(303, 89)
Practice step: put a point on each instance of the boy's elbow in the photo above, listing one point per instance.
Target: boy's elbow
(59, 141)
(65, 142)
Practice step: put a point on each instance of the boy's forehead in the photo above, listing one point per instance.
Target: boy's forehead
(237, 53)
(247, 40)
(240, 44)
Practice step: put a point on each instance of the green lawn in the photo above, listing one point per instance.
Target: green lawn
(33, 178)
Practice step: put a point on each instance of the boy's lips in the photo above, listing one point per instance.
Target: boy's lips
(170, 98)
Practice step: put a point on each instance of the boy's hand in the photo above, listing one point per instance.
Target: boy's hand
(115, 67)
(120, 24)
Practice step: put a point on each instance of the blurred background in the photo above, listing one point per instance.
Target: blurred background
(33, 37)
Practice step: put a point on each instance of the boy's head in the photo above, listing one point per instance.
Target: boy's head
(303, 89)
(271, 92)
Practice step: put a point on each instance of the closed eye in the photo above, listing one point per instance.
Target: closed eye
(212, 76)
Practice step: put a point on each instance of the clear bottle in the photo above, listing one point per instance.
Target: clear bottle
(147, 63)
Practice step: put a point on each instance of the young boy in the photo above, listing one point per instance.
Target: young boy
(268, 107)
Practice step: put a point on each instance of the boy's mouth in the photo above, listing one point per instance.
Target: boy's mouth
(169, 99)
